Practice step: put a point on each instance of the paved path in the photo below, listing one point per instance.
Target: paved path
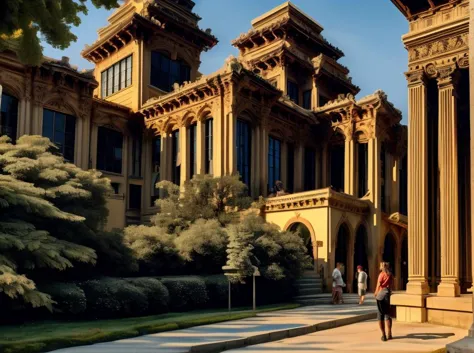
(365, 337)
(273, 326)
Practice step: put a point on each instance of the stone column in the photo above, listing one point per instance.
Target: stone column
(230, 141)
(184, 154)
(349, 168)
(448, 180)
(394, 175)
(165, 160)
(299, 170)
(200, 146)
(417, 184)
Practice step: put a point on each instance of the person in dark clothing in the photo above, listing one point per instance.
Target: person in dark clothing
(382, 295)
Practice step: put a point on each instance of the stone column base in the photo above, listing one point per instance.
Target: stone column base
(448, 290)
(466, 345)
(410, 308)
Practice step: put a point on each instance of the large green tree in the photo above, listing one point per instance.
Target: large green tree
(23, 22)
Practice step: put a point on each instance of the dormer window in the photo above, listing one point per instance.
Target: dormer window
(166, 72)
(116, 77)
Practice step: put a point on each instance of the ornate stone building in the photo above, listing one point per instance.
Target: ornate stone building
(439, 169)
(284, 110)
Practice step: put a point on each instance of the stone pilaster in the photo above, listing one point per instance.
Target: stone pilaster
(349, 166)
(230, 141)
(165, 158)
(417, 184)
(184, 154)
(448, 179)
(200, 146)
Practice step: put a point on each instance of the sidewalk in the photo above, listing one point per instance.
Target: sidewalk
(234, 334)
(365, 337)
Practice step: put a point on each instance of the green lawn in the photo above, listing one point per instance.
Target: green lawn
(46, 336)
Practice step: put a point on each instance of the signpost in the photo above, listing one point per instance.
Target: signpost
(229, 271)
(256, 273)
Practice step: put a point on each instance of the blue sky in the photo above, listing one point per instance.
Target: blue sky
(367, 31)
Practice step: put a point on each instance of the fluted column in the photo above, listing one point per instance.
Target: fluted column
(349, 167)
(184, 154)
(417, 184)
(448, 179)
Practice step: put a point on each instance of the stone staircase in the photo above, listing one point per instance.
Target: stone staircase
(308, 287)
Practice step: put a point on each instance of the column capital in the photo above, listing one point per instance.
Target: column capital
(416, 78)
(448, 77)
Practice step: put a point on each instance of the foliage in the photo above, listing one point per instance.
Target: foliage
(203, 245)
(157, 294)
(113, 297)
(70, 299)
(154, 249)
(186, 293)
(22, 21)
(239, 253)
(35, 230)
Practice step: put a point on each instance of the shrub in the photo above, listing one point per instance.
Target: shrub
(113, 297)
(156, 292)
(69, 298)
(186, 293)
(218, 290)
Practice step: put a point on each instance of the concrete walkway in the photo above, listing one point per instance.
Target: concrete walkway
(265, 327)
(365, 337)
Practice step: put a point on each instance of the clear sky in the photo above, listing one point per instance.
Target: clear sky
(367, 31)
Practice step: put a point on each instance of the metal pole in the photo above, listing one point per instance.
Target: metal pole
(254, 295)
(229, 296)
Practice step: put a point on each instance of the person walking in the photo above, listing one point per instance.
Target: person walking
(382, 295)
(337, 284)
(361, 284)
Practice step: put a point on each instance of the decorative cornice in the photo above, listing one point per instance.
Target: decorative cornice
(317, 199)
(442, 47)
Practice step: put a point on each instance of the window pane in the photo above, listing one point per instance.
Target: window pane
(116, 77)
(9, 116)
(48, 125)
(123, 74)
(243, 150)
(110, 82)
(209, 146)
(135, 197)
(129, 71)
(290, 167)
(293, 91)
(109, 150)
(307, 99)
(104, 84)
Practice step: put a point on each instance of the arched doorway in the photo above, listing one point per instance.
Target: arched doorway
(360, 254)
(342, 249)
(404, 264)
(389, 252)
(305, 234)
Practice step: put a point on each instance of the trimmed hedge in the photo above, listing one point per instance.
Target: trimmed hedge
(186, 293)
(157, 294)
(70, 299)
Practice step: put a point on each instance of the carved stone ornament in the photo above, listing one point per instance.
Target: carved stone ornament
(438, 47)
(463, 62)
(445, 75)
(40, 93)
(431, 70)
(415, 77)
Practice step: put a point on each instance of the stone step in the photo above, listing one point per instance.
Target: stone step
(308, 285)
(309, 291)
(324, 299)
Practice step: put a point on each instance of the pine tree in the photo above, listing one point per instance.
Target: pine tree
(239, 253)
(21, 21)
(44, 202)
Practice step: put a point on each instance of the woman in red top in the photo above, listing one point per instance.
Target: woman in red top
(382, 294)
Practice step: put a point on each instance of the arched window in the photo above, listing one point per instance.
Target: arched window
(60, 128)
(209, 146)
(9, 116)
(166, 72)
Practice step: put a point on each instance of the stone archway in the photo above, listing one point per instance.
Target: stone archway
(404, 262)
(361, 257)
(305, 229)
(390, 252)
(342, 253)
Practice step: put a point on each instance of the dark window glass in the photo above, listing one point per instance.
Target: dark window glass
(404, 187)
(109, 150)
(135, 197)
(363, 168)
(323, 100)
(61, 130)
(209, 146)
(309, 169)
(274, 163)
(290, 167)
(9, 116)
(176, 167)
(337, 167)
(307, 99)
(243, 141)
(156, 154)
(293, 92)
(117, 77)
(192, 150)
(137, 157)
(166, 72)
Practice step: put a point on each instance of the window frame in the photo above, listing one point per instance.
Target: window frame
(109, 156)
(163, 73)
(112, 81)
(274, 156)
(293, 84)
(209, 146)
(69, 142)
(8, 116)
(138, 197)
(244, 151)
(307, 100)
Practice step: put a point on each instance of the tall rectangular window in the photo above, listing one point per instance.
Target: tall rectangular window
(137, 157)
(362, 168)
(293, 91)
(209, 145)
(274, 162)
(156, 154)
(165, 72)
(176, 167)
(309, 169)
(243, 140)
(135, 197)
(117, 77)
(109, 150)
(307, 99)
(60, 128)
(337, 167)
(9, 116)
(192, 150)
(290, 166)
